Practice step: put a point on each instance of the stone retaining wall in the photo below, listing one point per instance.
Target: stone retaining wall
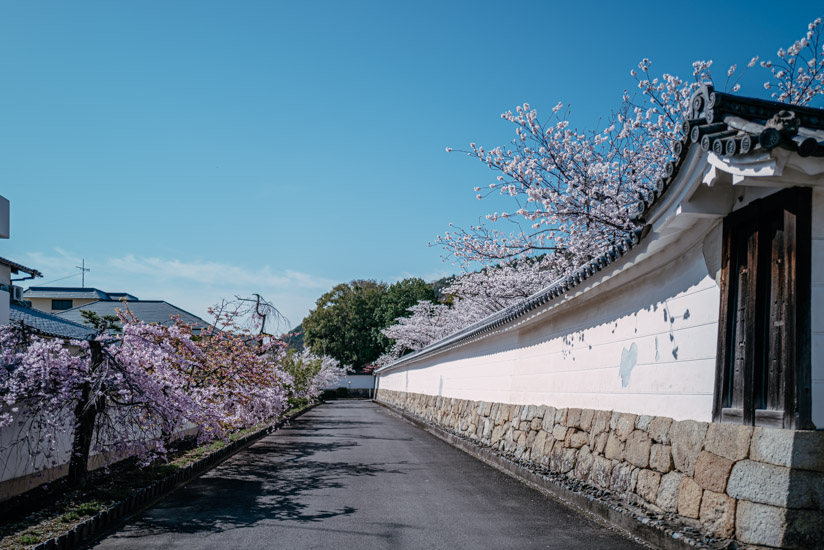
(760, 486)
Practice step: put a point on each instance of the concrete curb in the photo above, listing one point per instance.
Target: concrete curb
(107, 520)
(594, 509)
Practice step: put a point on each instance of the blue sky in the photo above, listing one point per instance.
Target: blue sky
(196, 150)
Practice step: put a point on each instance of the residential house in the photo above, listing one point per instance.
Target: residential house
(13, 307)
(53, 299)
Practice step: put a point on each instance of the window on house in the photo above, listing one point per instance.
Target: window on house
(61, 304)
(763, 360)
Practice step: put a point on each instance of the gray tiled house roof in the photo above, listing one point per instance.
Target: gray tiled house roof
(67, 293)
(47, 324)
(148, 311)
(15, 268)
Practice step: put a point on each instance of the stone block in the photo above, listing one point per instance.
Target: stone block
(583, 465)
(560, 416)
(576, 438)
(587, 416)
(535, 424)
(624, 478)
(600, 442)
(718, 514)
(625, 425)
(497, 434)
(559, 432)
(637, 449)
(495, 414)
(760, 524)
(805, 529)
(689, 498)
(562, 459)
(488, 425)
(659, 428)
(615, 448)
(506, 412)
(660, 458)
(687, 441)
(647, 487)
(758, 482)
(732, 441)
(667, 498)
(776, 485)
(548, 421)
(643, 422)
(573, 418)
(613, 420)
(601, 471)
(803, 450)
(531, 411)
(600, 422)
(538, 446)
(520, 443)
(712, 471)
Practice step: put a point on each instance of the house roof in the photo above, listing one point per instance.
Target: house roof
(148, 311)
(16, 268)
(47, 324)
(64, 292)
(723, 123)
(122, 296)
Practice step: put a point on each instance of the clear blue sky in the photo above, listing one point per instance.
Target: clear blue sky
(193, 150)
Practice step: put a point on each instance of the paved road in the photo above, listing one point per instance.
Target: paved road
(351, 475)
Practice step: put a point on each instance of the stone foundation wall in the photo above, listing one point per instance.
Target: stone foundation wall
(760, 486)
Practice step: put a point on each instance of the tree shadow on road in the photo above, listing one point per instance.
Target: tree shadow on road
(271, 481)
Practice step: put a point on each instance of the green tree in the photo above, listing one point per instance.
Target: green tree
(101, 323)
(343, 322)
(398, 299)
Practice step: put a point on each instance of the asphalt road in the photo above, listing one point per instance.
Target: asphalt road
(352, 475)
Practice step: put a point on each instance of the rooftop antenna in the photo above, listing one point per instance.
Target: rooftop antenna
(83, 269)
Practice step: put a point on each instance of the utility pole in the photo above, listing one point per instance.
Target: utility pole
(83, 269)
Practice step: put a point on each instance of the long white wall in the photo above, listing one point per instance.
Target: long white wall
(644, 345)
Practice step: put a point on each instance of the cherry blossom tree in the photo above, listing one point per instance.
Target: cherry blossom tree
(573, 192)
(114, 396)
(131, 393)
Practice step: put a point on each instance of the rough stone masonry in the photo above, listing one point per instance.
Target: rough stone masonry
(760, 486)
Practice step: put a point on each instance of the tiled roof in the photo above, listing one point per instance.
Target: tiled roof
(727, 125)
(15, 268)
(121, 296)
(64, 292)
(148, 311)
(47, 324)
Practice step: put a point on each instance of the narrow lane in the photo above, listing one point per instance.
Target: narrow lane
(352, 475)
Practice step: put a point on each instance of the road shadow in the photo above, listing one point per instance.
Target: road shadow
(268, 482)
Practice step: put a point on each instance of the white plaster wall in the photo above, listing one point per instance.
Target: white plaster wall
(817, 309)
(355, 382)
(571, 357)
(15, 440)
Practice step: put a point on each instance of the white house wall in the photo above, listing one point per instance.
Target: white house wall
(572, 356)
(817, 309)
